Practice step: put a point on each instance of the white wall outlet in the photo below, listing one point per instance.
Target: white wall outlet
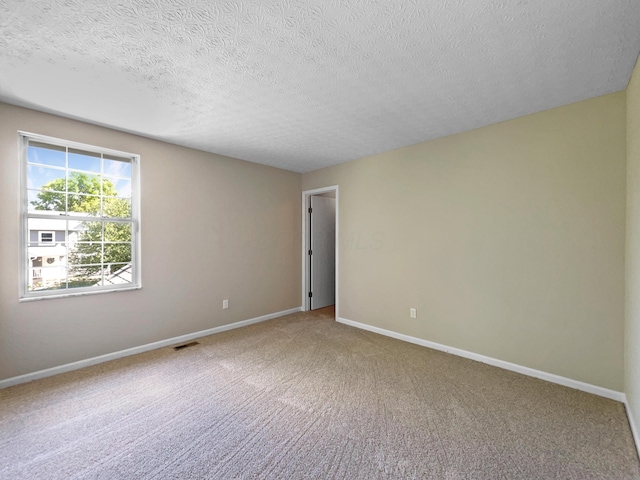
(413, 313)
(225, 304)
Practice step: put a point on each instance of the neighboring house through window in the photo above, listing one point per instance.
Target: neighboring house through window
(80, 211)
(46, 237)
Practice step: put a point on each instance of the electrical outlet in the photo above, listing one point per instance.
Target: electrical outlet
(413, 313)
(225, 304)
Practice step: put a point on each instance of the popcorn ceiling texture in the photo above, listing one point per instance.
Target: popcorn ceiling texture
(303, 85)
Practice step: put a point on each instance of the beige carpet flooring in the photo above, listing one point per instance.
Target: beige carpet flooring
(305, 397)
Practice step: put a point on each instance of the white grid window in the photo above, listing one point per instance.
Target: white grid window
(80, 219)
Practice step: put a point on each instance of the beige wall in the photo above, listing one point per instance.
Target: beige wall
(509, 240)
(632, 327)
(212, 228)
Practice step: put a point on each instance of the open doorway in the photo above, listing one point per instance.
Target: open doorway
(320, 249)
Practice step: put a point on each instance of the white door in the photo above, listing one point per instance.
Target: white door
(323, 252)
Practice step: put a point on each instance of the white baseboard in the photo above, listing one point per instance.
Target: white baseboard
(632, 424)
(550, 377)
(135, 350)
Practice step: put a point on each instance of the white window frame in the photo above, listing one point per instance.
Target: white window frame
(136, 283)
(46, 242)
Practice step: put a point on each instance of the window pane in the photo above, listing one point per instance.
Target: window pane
(59, 261)
(117, 252)
(37, 283)
(47, 277)
(76, 228)
(37, 227)
(88, 205)
(41, 256)
(46, 154)
(117, 232)
(118, 274)
(116, 187)
(85, 254)
(88, 232)
(45, 178)
(119, 167)
(84, 183)
(52, 274)
(46, 202)
(116, 207)
(51, 259)
(34, 276)
(80, 277)
(86, 161)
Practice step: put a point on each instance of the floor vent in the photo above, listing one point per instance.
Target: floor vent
(190, 344)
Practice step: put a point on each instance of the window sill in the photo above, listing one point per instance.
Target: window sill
(77, 294)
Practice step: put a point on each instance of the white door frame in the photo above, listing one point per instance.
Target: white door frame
(306, 202)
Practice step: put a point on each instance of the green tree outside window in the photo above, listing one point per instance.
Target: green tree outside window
(83, 195)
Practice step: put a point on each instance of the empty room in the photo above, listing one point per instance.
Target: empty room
(339, 239)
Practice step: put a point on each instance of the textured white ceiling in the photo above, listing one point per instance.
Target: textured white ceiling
(303, 85)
